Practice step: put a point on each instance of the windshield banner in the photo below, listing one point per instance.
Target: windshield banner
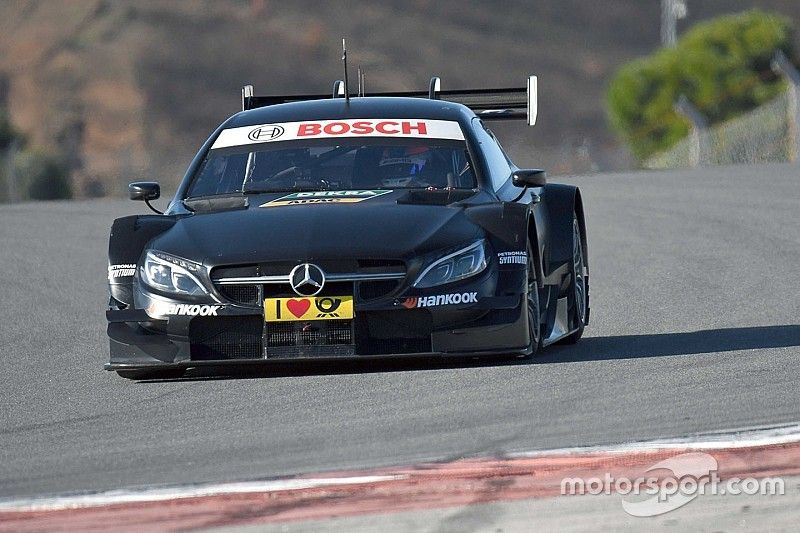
(326, 129)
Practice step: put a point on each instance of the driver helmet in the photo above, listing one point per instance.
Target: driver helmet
(401, 165)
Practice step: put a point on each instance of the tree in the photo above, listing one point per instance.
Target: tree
(7, 132)
(722, 66)
(47, 177)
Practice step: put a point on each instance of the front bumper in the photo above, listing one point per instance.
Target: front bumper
(488, 317)
(134, 343)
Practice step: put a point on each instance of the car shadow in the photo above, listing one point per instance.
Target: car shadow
(666, 344)
(588, 349)
(273, 369)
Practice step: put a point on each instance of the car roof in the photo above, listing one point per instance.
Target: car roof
(373, 107)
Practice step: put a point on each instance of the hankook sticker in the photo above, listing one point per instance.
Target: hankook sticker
(192, 310)
(439, 300)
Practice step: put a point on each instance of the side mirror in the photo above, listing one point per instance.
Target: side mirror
(144, 190)
(532, 177)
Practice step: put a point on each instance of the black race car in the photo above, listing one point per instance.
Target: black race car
(319, 227)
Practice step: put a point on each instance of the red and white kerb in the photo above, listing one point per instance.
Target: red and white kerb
(324, 129)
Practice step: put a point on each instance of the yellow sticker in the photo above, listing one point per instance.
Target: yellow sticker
(311, 308)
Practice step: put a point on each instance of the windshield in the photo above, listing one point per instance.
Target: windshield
(329, 165)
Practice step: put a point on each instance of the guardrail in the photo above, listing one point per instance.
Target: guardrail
(769, 133)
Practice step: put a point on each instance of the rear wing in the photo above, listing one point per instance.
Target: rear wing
(515, 103)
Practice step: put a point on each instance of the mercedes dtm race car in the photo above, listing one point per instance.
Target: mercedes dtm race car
(314, 227)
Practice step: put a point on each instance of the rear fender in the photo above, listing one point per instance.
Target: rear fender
(561, 201)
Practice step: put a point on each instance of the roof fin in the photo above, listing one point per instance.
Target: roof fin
(533, 99)
(247, 92)
(434, 88)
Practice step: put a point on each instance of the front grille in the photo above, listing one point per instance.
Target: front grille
(252, 295)
(311, 351)
(227, 337)
(235, 271)
(389, 265)
(319, 332)
(329, 266)
(241, 294)
(371, 333)
(372, 290)
(283, 268)
(328, 338)
(284, 290)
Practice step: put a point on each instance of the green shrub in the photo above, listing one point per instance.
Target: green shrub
(7, 132)
(45, 176)
(722, 66)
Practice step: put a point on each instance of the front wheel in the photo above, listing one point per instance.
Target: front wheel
(534, 309)
(578, 294)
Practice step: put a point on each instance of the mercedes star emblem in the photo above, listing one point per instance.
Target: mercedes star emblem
(307, 279)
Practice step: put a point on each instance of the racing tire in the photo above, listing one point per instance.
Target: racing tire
(534, 308)
(140, 375)
(578, 294)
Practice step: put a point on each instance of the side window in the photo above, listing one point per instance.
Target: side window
(505, 154)
(219, 175)
(496, 158)
(462, 172)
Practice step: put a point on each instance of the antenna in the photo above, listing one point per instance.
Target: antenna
(360, 81)
(363, 83)
(344, 60)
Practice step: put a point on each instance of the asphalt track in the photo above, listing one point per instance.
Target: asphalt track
(695, 328)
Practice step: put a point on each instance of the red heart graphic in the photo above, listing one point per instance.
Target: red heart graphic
(298, 307)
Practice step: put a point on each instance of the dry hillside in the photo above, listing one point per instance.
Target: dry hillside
(130, 89)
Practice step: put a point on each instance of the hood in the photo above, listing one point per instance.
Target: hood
(387, 224)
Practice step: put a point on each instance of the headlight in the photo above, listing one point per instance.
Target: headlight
(456, 266)
(172, 274)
